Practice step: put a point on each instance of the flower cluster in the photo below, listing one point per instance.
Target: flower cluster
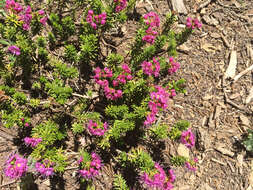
(193, 23)
(101, 79)
(174, 66)
(43, 20)
(187, 138)
(26, 16)
(150, 68)
(16, 166)
(152, 20)
(159, 180)
(43, 170)
(12, 6)
(159, 99)
(14, 50)
(33, 142)
(124, 76)
(96, 129)
(121, 4)
(97, 19)
(94, 167)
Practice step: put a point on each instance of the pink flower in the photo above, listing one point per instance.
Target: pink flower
(174, 66)
(97, 19)
(15, 167)
(187, 138)
(14, 50)
(190, 167)
(95, 129)
(43, 20)
(33, 142)
(152, 19)
(92, 169)
(151, 68)
(120, 5)
(41, 12)
(193, 23)
(43, 170)
(157, 180)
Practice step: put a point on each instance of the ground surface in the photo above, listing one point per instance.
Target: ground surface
(219, 126)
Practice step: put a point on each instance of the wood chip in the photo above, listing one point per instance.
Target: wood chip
(178, 6)
(182, 150)
(210, 20)
(215, 35)
(225, 151)
(244, 120)
(217, 161)
(230, 72)
(250, 96)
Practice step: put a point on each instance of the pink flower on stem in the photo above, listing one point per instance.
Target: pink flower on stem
(158, 180)
(93, 167)
(190, 167)
(43, 20)
(41, 12)
(187, 138)
(174, 66)
(93, 20)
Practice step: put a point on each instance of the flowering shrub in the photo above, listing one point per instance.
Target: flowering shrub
(68, 71)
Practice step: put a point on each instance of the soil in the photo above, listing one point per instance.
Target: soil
(215, 106)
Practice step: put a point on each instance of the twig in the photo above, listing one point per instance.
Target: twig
(72, 168)
(227, 100)
(224, 39)
(83, 96)
(236, 78)
(112, 46)
(8, 183)
(204, 5)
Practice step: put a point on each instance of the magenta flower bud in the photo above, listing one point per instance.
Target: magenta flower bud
(14, 50)
(26, 124)
(43, 20)
(41, 12)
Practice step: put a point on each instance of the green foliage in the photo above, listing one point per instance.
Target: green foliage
(11, 118)
(116, 112)
(34, 102)
(68, 26)
(177, 129)
(119, 183)
(77, 128)
(20, 98)
(64, 71)
(70, 53)
(49, 132)
(178, 160)
(120, 127)
(139, 158)
(248, 142)
(89, 47)
(57, 90)
(159, 132)
(114, 59)
(178, 86)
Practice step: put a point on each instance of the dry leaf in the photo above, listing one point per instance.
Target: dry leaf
(208, 48)
(230, 72)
